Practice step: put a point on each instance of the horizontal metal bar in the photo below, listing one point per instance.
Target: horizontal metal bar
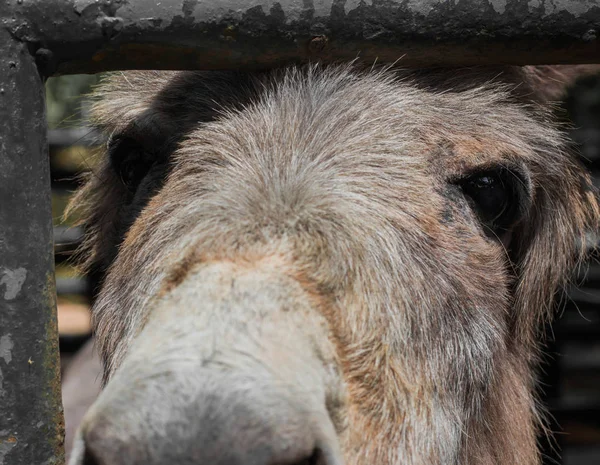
(85, 36)
(586, 413)
(578, 327)
(75, 136)
(74, 285)
(66, 241)
(71, 343)
(64, 235)
(581, 455)
(587, 295)
(580, 357)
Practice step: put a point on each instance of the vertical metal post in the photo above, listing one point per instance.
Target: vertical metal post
(31, 420)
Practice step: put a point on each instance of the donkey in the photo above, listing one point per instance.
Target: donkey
(327, 265)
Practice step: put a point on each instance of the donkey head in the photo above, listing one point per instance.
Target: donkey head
(326, 265)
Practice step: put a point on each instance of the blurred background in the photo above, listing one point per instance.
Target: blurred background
(73, 148)
(571, 375)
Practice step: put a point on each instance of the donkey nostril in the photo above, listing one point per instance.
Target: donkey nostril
(90, 458)
(316, 458)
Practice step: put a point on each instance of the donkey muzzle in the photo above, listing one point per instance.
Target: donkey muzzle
(222, 426)
(232, 367)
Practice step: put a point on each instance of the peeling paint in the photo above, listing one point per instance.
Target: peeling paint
(499, 5)
(234, 9)
(6, 346)
(188, 7)
(6, 444)
(97, 35)
(322, 7)
(422, 7)
(13, 280)
(293, 11)
(80, 5)
(354, 4)
(576, 8)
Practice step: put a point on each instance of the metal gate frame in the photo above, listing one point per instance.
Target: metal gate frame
(40, 38)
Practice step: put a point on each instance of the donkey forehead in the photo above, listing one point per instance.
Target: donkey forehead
(337, 111)
(409, 142)
(302, 144)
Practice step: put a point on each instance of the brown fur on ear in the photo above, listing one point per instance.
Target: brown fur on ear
(157, 109)
(550, 83)
(564, 217)
(100, 202)
(565, 212)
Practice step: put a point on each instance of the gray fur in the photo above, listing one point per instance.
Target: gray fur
(330, 193)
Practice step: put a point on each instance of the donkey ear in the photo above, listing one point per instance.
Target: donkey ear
(144, 115)
(565, 215)
(562, 225)
(126, 113)
(551, 83)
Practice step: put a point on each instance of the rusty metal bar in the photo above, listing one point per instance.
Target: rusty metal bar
(31, 424)
(87, 36)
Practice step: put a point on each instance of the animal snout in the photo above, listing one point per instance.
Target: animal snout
(223, 373)
(220, 426)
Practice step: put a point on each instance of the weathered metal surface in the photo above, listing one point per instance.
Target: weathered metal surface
(31, 425)
(71, 36)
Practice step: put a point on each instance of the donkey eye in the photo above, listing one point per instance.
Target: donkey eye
(132, 170)
(497, 197)
(129, 161)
